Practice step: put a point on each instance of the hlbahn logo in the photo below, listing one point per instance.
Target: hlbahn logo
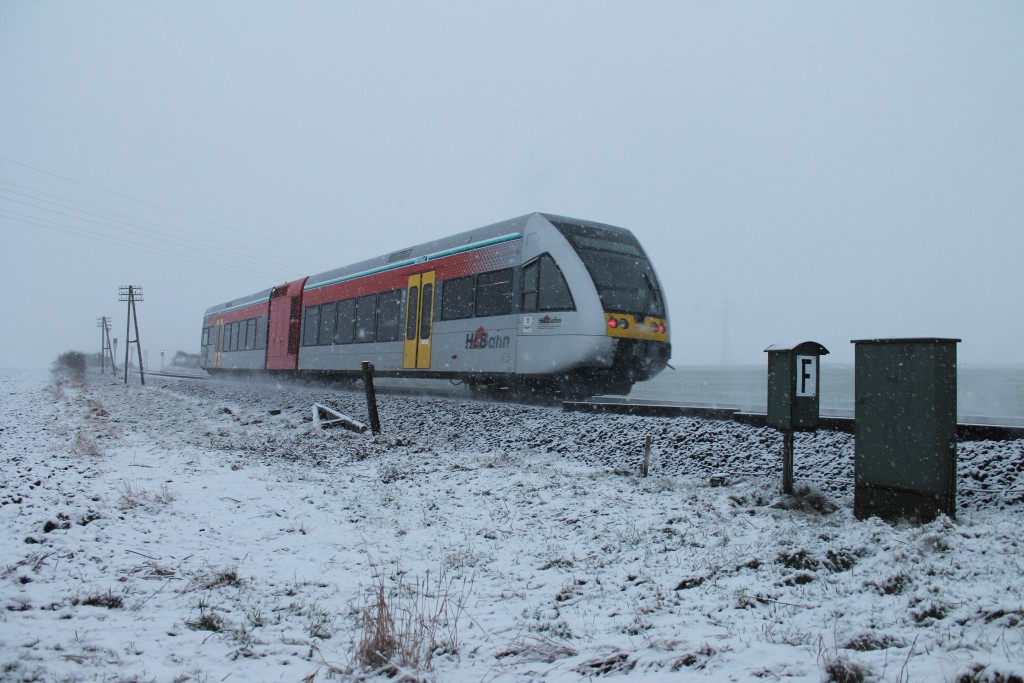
(481, 340)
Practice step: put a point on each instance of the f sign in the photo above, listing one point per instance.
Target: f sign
(806, 375)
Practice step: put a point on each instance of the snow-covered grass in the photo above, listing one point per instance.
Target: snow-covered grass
(181, 532)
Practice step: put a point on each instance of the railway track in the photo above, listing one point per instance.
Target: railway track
(973, 429)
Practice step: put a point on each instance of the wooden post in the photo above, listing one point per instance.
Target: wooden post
(647, 456)
(787, 461)
(371, 397)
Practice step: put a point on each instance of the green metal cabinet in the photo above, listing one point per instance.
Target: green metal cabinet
(905, 449)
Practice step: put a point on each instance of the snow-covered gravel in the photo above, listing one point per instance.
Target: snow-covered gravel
(181, 532)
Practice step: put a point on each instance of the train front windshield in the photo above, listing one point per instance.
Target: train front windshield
(620, 269)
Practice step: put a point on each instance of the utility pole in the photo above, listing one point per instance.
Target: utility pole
(105, 347)
(132, 294)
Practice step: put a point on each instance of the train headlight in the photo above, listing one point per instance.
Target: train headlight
(623, 323)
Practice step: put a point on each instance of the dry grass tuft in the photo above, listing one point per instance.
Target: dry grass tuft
(133, 495)
(406, 627)
(86, 445)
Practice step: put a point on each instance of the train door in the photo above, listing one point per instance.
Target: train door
(419, 321)
(284, 321)
(216, 343)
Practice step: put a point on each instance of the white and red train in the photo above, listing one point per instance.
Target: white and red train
(539, 302)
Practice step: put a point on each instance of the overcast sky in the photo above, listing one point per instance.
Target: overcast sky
(796, 170)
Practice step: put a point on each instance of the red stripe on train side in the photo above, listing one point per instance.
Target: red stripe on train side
(447, 268)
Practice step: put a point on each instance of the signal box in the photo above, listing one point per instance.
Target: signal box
(794, 385)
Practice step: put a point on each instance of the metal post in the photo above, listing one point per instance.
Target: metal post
(787, 461)
(371, 397)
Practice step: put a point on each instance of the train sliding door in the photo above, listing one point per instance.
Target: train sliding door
(419, 318)
(217, 342)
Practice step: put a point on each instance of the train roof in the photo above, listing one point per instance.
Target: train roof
(494, 233)
(241, 302)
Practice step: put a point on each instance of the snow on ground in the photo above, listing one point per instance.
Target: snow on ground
(181, 532)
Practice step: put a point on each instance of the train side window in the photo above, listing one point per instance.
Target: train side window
(389, 311)
(328, 323)
(206, 337)
(344, 331)
(234, 337)
(544, 287)
(366, 313)
(250, 334)
(225, 337)
(240, 335)
(529, 300)
(494, 293)
(554, 292)
(457, 298)
(261, 332)
(310, 325)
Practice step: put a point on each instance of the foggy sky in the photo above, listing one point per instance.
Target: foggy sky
(796, 170)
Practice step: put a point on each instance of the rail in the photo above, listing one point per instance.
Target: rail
(979, 429)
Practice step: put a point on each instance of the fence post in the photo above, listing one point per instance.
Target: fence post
(371, 397)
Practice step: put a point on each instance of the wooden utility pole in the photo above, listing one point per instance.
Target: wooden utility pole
(105, 347)
(132, 294)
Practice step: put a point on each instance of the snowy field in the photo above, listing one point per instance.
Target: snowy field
(206, 531)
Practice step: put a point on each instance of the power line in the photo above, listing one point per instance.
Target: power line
(74, 217)
(133, 227)
(157, 206)
(107, 239)
(168, 156)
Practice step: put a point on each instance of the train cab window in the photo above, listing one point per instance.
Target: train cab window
(328, 323)
(494, 293)
(261, 332)
(345, 330)
(619, 268)
(389, 311)
(310, 325)
(457, 298)
(366, 313)
(206, 337)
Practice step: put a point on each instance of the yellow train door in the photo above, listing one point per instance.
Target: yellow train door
(216, 343)
(419, 321)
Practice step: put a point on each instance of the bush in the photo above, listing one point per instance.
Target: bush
(70, 364)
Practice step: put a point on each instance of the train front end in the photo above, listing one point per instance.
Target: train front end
(632, 301)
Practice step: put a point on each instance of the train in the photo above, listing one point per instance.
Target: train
(536, 304)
